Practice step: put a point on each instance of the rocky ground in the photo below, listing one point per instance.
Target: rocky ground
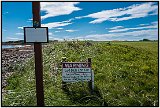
(11, 57)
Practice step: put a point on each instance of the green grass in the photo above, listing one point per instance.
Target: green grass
(149, 46)
(126, 74)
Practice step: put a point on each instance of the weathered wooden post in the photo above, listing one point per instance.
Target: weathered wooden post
(63, 83)
(38, 56)
(90, 82)
(92, 78)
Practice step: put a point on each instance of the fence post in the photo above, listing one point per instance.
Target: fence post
(63, 83)
(90, 82)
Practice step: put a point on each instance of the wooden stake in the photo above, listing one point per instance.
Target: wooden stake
(90, 82)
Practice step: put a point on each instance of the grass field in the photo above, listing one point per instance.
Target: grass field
(126, 74)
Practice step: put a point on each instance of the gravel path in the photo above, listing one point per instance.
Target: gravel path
(11, 57)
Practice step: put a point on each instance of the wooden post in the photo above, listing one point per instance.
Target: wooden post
(38, 56)
(90, 82)
(63, 83)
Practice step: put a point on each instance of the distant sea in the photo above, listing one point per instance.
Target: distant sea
(11, 46)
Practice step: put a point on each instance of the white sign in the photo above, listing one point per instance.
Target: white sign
(74, 72)
(74, 77)
(32, 34)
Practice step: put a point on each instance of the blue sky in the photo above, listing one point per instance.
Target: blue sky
(100, 21)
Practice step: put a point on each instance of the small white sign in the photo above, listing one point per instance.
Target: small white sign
(75, 77)
(32, 34)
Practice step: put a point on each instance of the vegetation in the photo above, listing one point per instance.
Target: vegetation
(147, 40)
(126, 74)
(19, 42)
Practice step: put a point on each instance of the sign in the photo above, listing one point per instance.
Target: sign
(76, 71)
(38, 34)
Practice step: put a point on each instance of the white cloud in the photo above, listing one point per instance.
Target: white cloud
(4, 30)
(59, 28)
(121, 14)
(80, 17)
(143, 24)
(20, 27)
(19, 33)
(11, 39)
(155, 22)
(56, 24)
(153, 25)
(50, 33)
(57, 31)
(133, 35)
(31, 19)
(51, 37)
(55, 38)
(53, 9)
(69, 20)
(117, 27)
(120, 30)
(71, 30)
(5, 13)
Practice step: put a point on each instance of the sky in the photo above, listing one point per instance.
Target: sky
(98, 21)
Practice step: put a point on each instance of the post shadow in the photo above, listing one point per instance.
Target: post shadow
(84, 97)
